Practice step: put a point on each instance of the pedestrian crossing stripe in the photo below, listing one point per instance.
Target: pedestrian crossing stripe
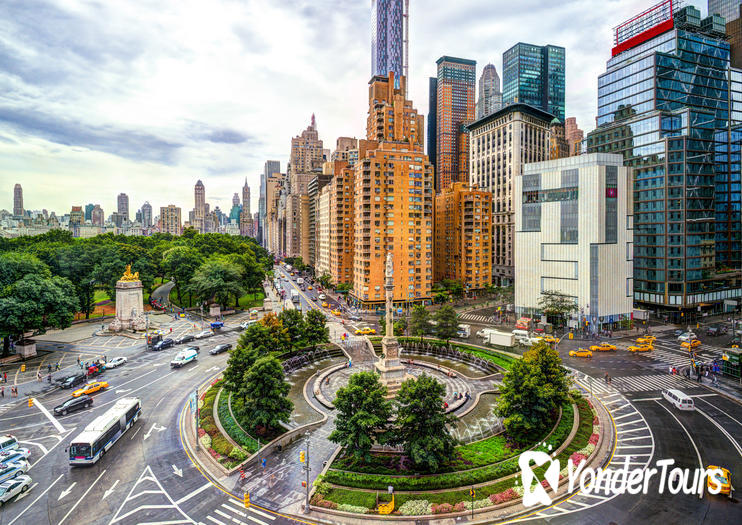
(251, 514)
(650, 382)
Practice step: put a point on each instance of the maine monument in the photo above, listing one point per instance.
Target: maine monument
(129, 303)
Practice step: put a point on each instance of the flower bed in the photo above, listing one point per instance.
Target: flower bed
(208, 433)
(230, 426)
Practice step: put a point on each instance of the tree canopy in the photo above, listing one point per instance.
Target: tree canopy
(447, 322)
(264, 395)
(420, 321)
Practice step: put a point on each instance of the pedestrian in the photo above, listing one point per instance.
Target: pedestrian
(605, 378)
(78, 359)
(2, 391)
(242, 474)
(49, 368)
(670, 370)
(38, 375)
(5, 377)
(57, 366)
(716, 382)
(49, 378)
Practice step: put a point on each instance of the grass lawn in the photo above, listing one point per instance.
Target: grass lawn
(252, 300)
(99, 296)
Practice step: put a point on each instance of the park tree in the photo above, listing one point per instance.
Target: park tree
(556, 304)
(77, 263)
(325, 280)
(240, 361)
(217, 279)
(552, 375)
(180, 264)
(422, 425)
(15, 265)
(264, 395)
(316, 331)
(293, 321)
(269, 334)
(420, 321)
(399, 326)
(363, 413)
(447, 322)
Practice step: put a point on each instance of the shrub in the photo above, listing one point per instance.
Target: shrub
(327, 504)
(238, 454)
(577, 458)
(502, 497)
(321, 487)
(221, 445)
(201, 432)
(352, 508)
(415, 507)
(205, 441)
(594, 439)
(459, 507)
(209, 427)
(443, 508)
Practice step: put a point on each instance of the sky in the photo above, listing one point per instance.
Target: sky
(146, 97)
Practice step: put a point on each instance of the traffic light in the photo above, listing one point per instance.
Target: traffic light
(23, 368)
(30, 401)
(247, 499)
(302, 457)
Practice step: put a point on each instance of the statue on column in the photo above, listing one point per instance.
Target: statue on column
(389, 288)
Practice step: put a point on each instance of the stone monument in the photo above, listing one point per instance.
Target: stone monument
(389, 366)
(129, 303)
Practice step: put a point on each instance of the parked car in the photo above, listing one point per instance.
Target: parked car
(218, 349)
(73, 380)
(13, 469)
(116, 362)
(205, 333)
(11, 488)
(71, 405)
(8, 442)
(18, 454)
(184, 339)
(162, 345)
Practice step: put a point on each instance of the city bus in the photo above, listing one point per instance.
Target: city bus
(100, 435)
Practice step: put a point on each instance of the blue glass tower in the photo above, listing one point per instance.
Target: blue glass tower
(534, 75)
(387, 37)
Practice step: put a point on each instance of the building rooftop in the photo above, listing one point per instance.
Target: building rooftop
(519, 106)
(457, 60)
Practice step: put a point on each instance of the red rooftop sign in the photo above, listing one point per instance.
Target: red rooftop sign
(644, 26)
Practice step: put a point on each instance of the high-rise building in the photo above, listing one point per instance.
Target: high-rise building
(574, 135)
(501, 143)
(307, 156)
(122, 202)
(77, 216)
(393, 201)
(97, 217)
(463, 239)
(246, 198)
(387, 37)
(88, 211)
(728, 224)
(534, 75)
(17, 200)
(269, 168)
(315, 185)
(490, 96)
(558, 145)
(170, 221)
(146, 215)
(236, 199)
(322, 263)
(729, 9)
(573, 234)
(342, 231)
(138, 216)
(455, 109)
(432, 126)
(659, 109)
(273, 186)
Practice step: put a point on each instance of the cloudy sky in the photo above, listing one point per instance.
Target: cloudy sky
(147, 96)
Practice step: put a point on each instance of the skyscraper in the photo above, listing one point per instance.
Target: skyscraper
(455, 109)
(235, 199)
(170, 220)
(88, 210)
(490, 96)
(146, 215)
(534, 75)
(387, 35)
(574, 135)
(122, 208)
(432, 123)
(17, 200)
(97, 216)
(729, 9)
(270, 167)
(199, 209)
(246, 197)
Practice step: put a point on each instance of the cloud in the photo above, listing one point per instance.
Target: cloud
(226, 136)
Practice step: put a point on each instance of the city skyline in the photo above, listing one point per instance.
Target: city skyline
(141, 135)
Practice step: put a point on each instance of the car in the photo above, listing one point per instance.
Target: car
(580, 352)
(184, 339)
(365, 331)
(646, 340)
(314, 298)
(693, 344)
(688, 336)
(549, 339)
(116, 362)
(90, 388)
(73, 380)
(354, 317)
(253, 314)
(11, 488)
(12, 469)
(8, 442)
(204, 334)
(195, 348)
(71, 405)
(247, 324)
(721, 478)
(162, 345)
(336, 312)
(640, 348)
(309, 287)
(322, 296)
(603, 347)
(218, 349)
(18, 454)
(325, 305)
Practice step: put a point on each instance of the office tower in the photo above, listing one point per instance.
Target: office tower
(490, 96)
(729, 9)
(534, 75)
(658, 108)
(315, 185)
(246, 197)
(170, 221)
(393, 201)
(728, 224)
(117, 219)
(432, 110)
(273, 185)
(500, 144)
(77, 216)
(235, 199)
(463, 239)
(17, 200)
(269, 168)
(558, 145)
(454, 110)
(322, 256)
(122, 206)
(146, 215)
(97, 217)
(197, 217)
(88, 210)
(574, 135)
(573, 234)
(387, 35)
(138, 216)
(307, 155)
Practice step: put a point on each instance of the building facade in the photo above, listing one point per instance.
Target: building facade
(574, 235)
(490, 96)
(170, 219)
(463, 239)
(387, 37)
(17, 200)
(432, 132)
(97, 217)
(574, 135)
(341, 209)
(454, 110)
(729, 9)
(322, 262)
(122, 205)
(146, 215)
(535, 75)
(501, 144)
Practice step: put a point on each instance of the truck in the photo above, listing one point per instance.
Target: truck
(183, 358)
(464, 331)
(300, 281)
(495, 337)
(294, 296)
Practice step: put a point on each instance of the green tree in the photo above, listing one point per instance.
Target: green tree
(316, 331)
(325, 280)
(180, 264)
(422, 425)
(293, 321)
(217, 279)
(448, 322)
(362, 414)
(556, 304)
(400, 325)
(269, 334)
(264, 395)
(15, 265)
(420, 321)
(240, 361)
(552, 374)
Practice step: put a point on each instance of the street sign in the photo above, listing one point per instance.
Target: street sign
(193, 402)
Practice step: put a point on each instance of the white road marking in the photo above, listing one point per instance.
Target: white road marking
(110, 491)
(42, 447)
(720, 410)
(698, 454)
(256, 511)
(236, 511)
(215, 520)
(194, 493)
(135, 433)
(148, 475)
(67, 491)
(53, 447)
(723, 430)
(24, 494)
(177, 471)
(51, 418)
(81, 498)
(37, 499)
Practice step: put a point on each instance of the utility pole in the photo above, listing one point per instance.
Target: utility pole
(307, 469)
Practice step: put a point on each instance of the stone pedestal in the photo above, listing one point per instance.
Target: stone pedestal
(25, 349)
(215, 310)
(390, 368)
(129, 307)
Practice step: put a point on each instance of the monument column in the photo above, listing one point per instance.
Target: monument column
(389, 367)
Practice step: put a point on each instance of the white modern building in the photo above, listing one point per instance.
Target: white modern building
(323, 232)
(574, 234)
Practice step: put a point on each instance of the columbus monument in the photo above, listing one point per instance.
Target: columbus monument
(389, 366)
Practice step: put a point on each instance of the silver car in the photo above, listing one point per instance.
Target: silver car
(11, 488)
(13, 469)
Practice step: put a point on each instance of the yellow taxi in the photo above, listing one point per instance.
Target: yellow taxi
(90, 388)
(646, 340)
(549, 339)
(692, 344)
(580, 352)
(324, 304)
(641, 348)
(365, 331)
(603, 347)
(336, 312)
(309, 287)
(722, 477)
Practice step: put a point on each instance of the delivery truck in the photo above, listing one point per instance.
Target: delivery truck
(294, 296)
(495, 337)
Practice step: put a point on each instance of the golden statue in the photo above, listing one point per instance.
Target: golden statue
(128, 276)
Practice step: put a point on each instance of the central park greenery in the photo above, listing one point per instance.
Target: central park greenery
(46, 279)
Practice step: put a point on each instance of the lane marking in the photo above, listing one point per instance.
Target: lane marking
(81, 498)
(698, 454)
(51, 418)
(723, 431)
(192, 494)
(42, 447)
(720, 410)
(34, 501)
(215, 520)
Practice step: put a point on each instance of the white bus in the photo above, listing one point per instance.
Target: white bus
(104, 431)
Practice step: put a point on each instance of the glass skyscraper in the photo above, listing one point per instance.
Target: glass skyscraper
(729, 9)
(534, 75)
(387, 37)
(664, 101)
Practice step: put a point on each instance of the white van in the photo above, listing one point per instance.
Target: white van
(521, 334)
(8, 442)
(183, 358)
(678, 399)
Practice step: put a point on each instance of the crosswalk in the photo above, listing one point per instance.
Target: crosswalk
(651, 383)
(477, 318)
(232, 512)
